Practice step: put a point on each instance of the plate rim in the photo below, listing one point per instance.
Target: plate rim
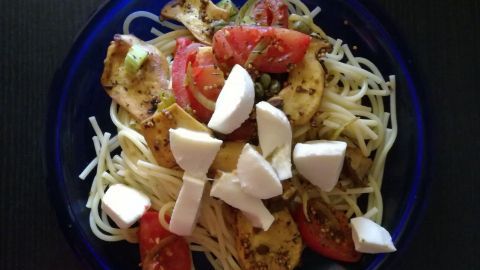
(55, 180)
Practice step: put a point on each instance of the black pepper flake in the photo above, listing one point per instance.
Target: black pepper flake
(290, 66)
(257, 230)
(153, 105)
(245, 242)
(262, 249)
(323, 66)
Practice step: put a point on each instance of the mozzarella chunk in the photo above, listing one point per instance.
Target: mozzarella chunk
(320, 162)
(275, 137)
(194, 151)
(281, 162)
(256, 175)
(124, 205)
(227, 188)
(273, 128)
(185, 211)
(234, 103)
(369, 237)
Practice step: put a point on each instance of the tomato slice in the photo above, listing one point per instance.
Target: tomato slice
(185, 52)
(246, 132)
(327, 233)
(159, 248)
(207, 77)
(271, 13)
(269, 49)
(208, 80)
(181, 43)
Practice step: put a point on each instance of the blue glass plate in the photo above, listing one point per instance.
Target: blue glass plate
(76, 94)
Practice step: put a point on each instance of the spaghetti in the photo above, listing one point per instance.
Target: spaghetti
(352, 109)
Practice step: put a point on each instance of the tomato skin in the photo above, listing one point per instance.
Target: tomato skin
(271, 13)
(185, 52)
(282, 47)
(232, 45)
(181, 43)
(174, 256)
(204, 74)
(209, 85)
(207, 76)
(316, 236)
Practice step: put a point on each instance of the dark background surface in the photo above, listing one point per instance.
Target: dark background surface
(443, 42)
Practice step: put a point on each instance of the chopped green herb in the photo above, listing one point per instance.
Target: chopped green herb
(217, 25)
(242, 16)
(259, 49)
(135, 58)
(229, 6)
(166, 99)
(301, 26)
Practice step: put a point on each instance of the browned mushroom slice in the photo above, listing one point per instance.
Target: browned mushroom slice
(227, 157)
(156, 132)
(278, 248)
(137, 92)
(196, 15)
(302, 96)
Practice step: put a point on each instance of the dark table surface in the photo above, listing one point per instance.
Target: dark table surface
(443, 40)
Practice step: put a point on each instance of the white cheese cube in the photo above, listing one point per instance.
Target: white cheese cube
(260, 219)
(124, 205)
(273, 127)
(185, 212)
(194, 151)
(234, 103)
(320, 162)
(281, 162)
(275, 137)
(369, 237)
(256, 175)
(228, 189)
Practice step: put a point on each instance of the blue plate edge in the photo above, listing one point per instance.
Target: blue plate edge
(412, 217)
(66, 219)
(70, 227)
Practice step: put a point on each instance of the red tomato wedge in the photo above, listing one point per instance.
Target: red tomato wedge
(327, 232)
(271, 13)
(159, 248)
(267, 49)
(181, 43)
(245, 132)
(206, 77)
(184, 53)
